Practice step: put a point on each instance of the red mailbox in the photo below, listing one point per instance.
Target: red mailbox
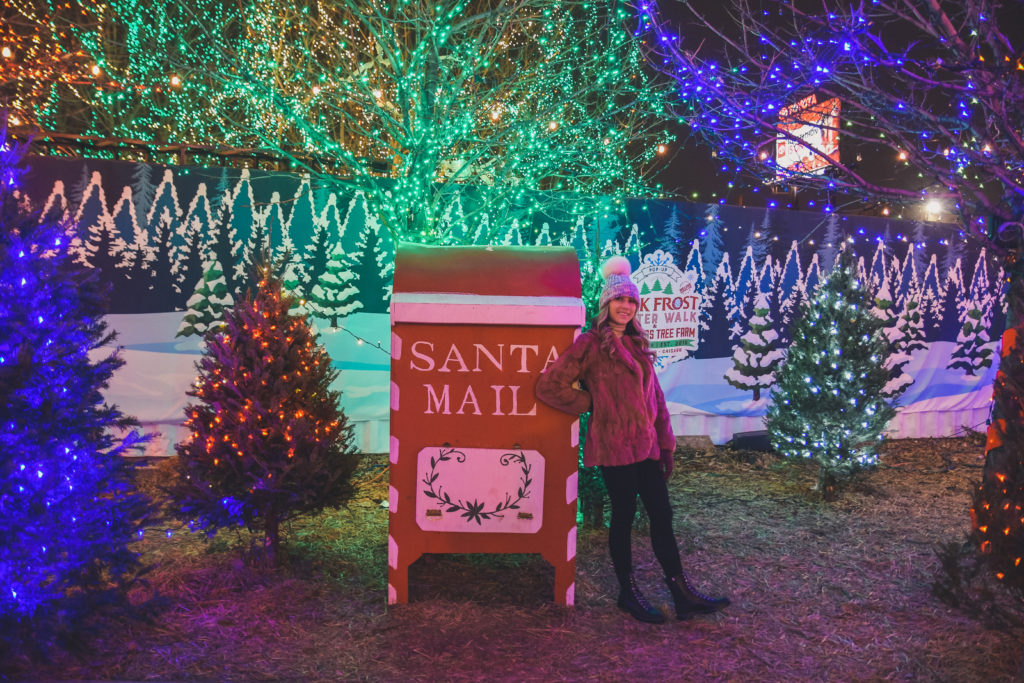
(478, 465)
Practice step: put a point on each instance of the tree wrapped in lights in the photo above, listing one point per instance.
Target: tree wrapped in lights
(931, 88)
(268, 440)
(68, 507)
(410, 102)
(827, 403)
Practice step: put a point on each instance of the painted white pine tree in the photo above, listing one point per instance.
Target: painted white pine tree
(694, 263)
(544, 236)
(931, 298)
(765, 237)
(189, 251)
(712, 246)
(356, 217)
(266, 221)
(633, 244)
(138, 257)
(954, 295)
(862, 270)
(973, 351)
(163, 230)
(301, 220)
(330, 218)
(911, 324)
(878, 275)
(920, 239)
(483, 233)
(813, 278)
(313, 263)
(755, 360)
(56, 208)
(791, 292)
(244, 213)
(453, 226)
(745, 289)
(897, 359)
(716, 304)
(577, 239)
(334, 295)
(223, 242)
(292, 284)
(671, 235)
(908, 285)
(513, 236)
(610, 248)
(206, 305)
(100, 246)
(165, 198)
(163, 218)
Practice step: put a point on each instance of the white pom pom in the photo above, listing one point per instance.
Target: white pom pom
(616, 265)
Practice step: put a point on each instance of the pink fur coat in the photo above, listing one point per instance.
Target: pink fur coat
(629, 421)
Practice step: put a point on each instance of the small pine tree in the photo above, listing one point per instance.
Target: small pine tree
(68, 509)
(269, 442)
(899, 380)
(206, 305)
(827, 403)
(333, 297)
(758, 355)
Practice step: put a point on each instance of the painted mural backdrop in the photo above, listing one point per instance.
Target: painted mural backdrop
(176, 243)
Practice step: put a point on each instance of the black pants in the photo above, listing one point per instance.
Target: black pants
(624, 484)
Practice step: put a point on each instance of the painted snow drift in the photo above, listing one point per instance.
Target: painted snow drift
(175, 245)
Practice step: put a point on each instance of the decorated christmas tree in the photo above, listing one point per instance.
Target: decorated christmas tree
(333, 296)
(68, 509)
(827, 404)
(268, 441)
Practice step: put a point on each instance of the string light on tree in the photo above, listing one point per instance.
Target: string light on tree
(827, 402)
(268, 440)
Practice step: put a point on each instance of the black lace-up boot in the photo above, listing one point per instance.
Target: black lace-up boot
(633, 601)
(690, 601)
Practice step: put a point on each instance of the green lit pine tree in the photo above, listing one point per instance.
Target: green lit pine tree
(827, 404)
(269, 442)
(68, 507)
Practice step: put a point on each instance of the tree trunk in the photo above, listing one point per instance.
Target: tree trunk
(827, 484)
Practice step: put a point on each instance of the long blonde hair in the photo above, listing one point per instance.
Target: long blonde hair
(634, 329)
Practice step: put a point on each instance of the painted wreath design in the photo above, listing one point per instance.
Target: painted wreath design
(477, 510)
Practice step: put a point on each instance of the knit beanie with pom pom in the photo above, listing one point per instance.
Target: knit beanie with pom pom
(616, 271)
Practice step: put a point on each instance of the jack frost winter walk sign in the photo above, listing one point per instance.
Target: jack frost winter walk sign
(669, 307)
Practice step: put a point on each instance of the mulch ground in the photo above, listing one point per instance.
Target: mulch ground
(839, 591)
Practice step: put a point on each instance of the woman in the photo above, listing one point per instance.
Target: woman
(629, 437)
